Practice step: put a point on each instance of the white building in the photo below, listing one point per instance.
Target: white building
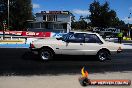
(52, 21)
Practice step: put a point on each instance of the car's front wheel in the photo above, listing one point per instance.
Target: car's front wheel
(103, 55)
(45, 54)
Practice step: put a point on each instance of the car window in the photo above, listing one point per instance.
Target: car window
(76, 38)
(65, 37)
(92, 38)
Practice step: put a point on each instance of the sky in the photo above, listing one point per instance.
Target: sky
(123, 8)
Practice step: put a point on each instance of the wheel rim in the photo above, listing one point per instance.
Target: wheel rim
(102, 56)
(45, 55)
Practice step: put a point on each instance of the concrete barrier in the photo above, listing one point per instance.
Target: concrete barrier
(13, 41)
(14, 45)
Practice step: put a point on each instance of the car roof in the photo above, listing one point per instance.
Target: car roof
(83, 32)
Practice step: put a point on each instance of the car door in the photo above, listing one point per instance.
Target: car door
(92, 44)
(74, 45)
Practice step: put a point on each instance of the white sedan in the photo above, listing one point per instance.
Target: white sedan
(75, 43)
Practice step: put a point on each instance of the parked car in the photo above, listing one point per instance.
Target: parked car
(75, 43)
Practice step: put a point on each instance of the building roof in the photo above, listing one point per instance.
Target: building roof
(83, 32)
(53, 12)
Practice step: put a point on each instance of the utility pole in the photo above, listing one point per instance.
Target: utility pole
(8, 13)
(4, 28)
(129, 25)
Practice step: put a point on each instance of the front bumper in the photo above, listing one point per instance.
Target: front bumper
(116, 52)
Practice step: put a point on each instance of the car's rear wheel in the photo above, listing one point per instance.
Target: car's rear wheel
(103, 55)
(45, 54)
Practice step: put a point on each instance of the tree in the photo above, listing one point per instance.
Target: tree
(80, 24)
(95, 13)
(72, 17)
(20, 12)
(102, 16)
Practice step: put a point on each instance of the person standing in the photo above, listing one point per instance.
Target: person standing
(120, 35)
(131, 34)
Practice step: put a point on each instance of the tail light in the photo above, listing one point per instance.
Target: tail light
(31, 45)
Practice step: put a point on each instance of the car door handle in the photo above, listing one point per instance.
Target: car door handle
(100, 43)
(81, 44)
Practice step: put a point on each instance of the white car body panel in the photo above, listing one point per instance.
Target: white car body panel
(92, 48)
(62, 47)
(71, 48)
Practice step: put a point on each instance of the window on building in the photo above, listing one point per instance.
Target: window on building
(51, 18)
(36, 25)
(58, 26)
(44, 17)
(54, 17)
(43, 25)
(65, 26)
(50, 26)
(30, 25)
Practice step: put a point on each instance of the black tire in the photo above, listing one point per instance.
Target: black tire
(103, 55)
(27, 55)
(45, 54)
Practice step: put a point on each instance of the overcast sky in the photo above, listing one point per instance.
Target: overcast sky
(123, 8)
